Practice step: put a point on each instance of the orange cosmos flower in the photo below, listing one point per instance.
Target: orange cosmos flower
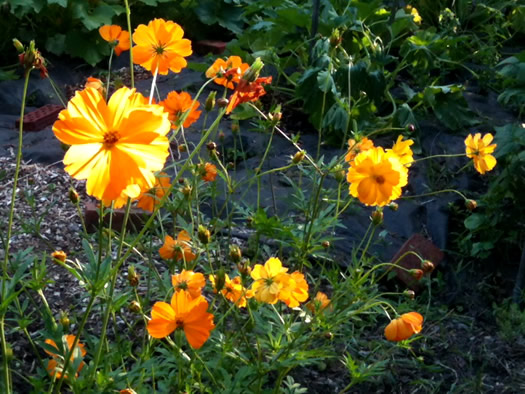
(480, 150)
(233, 290)
(160, 46)
(184, 312)
(356, 147)
(227, 72)
(270, 279)
(148, 200)
(190, 281)
(176, 104)
(208, 172)
(178, 249)
(97, 84)
(55, 366)
(404, 327)
(403, 151)
(376, 177)
(319, 303)
(247, 91)
(115, 36)
(116, 146)
(295, 291)
(59, 255)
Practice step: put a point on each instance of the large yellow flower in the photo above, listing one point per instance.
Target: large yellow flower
(376, 177)
(480, 150)
(403, 151)
(269, 279)
(160, 46)
(116, 146)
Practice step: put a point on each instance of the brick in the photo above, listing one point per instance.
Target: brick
(422, 246)
(40, 118)
(209, 46)
(137, 218)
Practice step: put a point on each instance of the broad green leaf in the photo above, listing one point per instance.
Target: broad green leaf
(61, 3)
(325, 82)
(474, 221)
(56, 44)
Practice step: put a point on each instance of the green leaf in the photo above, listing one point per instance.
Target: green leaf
(93, 19)
(228, 16)
(61, 3)
(325, 82)
(56, 44)
(87, 46)
(404, 116)
(510, 139)
(474, 221)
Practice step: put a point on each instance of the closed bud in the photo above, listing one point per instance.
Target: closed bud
(221, 136)
(411, 128)
(73, 195)
(211, 146)
(230, 165)
(335, 38)
(210, 101)
(181, 181)
(377, 217)
(427, 266)
(64, 320)
(298, 157)
(183, 148)
(362, 94)
(235, 253)
(244, 268)
(204, 235)
(326, 244)
(416, 273)
(9, 353)
(340, 175)
(252, 73)
(328, 335)
(222, 102)
(134, 307)
(186, 190)
(18, 45)
(220, 279)
(59, 255)
(133, 277)
(127, 391)
(471, 204)
(235, 127)
(410, 294)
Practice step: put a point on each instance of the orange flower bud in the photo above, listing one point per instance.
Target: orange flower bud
(377, 217)
(471, 204)
(298, 157)
(416, 273)
(134, 307)
(427, 266)
(59, 255)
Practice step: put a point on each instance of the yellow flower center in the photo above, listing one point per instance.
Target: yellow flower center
(110, 139)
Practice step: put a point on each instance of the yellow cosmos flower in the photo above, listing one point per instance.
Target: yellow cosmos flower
(233, 290)
(179, 248)
(404, 327)
(376, 177)
(149, 199)
(319, 303)
(192, 282)
(227, 72)
(160, 46)
(403, 151)
(269, 280)
(356, 147)
(176, 104)
(480, 150)
(116, 146)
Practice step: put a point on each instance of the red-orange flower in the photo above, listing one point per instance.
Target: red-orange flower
(208, 172)
(115, 36)
(60, 255)
(233, 290)
(176, 104)
(55, 366)
(247, 91)
(97, 84)
(356, 147)
(404, 327)
(227, 72)
(116, 146)
(160, 46)
(190, 281)
(147, 200)
(178, 249)
(319, 303)
(184, 312)
(295, 291)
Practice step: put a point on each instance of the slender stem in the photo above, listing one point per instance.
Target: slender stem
(109, 72)
(320, 131)
(436, 192)
(153, 84)
(128, 19)
(5, 361)
(436, 156)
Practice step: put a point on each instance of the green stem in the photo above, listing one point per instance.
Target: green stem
(109, 73)
(128, 19)
(436, 192)
(5, 361)
(435, 156)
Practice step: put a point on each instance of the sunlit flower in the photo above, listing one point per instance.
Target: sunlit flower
(319, 303)
(149, 199)
(115, 36)
(97, 84)
(208, 172)
(233, 290)
(356, 147)
(376, 177)
(160, 46)
(178, 249)
(269, 280)
(55, 366)
(404, 327)
(116, 146)
(227, 72)
(247, 91)
(192, 282)
(415, 14)
(480, 150)
(403, 151)
(59, 255)
(295, 291)
(184, 312)
(176, 104)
